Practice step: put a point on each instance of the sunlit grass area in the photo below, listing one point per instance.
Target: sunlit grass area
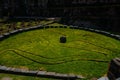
(85, 53)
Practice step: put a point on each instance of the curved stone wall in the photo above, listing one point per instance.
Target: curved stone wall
(98, 31)
(5, 35)
(45, 74)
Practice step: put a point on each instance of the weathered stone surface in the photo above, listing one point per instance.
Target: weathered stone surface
(64, 75)
(41, 73)
(20, 30)
(103, 78)
(33, 72)
(71, 27)
(50, 73)
(8, 69)
(3, 67)
(16, 70)
(107, 33)
(14, 32)
(58, 75)
(41, 27)
(6, 34)
(36, 27)
(114, 69)
(72, 75)
(26, 29)
(97, 31)
(1, 37)
(112, 34)
(91, 29)
(45, 74)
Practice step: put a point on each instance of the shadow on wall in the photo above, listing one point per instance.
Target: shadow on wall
(101, 24)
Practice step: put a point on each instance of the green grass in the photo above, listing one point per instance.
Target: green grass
(85, 53)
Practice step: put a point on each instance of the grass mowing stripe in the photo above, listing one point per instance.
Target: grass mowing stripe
(59, 62)
(96, 45)
(86, 50)
(64, 57)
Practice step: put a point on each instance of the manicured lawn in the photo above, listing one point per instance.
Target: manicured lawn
(85, 53)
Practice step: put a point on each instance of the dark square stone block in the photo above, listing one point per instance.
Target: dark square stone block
(63, 39)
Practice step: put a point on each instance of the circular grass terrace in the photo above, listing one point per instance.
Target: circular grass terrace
(85, 53)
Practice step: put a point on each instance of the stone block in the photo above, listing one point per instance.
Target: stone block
(3, 68)
(41, 27)
(65, 75)
(76, 27)
(97, 31)
(36, 27)
(41, 73)
(58, 75)
(72, 75)
(1, 37)
(8, 69)
(26, 29)
(6, 34)
(16, 70)
(50, 73)
(107, 32)
(14, 32)
(20, 30)
(33, 72)
(72, 27)
(63, 39)
(91, 29)
(114, 69)
(112, 35)
(117, 35)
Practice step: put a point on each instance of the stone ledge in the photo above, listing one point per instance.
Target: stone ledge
(45, 74)
(97, 31)
(6, 35)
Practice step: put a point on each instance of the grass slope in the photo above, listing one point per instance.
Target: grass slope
(85, 53)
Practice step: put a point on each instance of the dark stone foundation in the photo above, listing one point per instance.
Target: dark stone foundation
(114, 69)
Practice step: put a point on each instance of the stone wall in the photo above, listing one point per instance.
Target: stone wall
(44, 74)
(6, 35)
(114, 69)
